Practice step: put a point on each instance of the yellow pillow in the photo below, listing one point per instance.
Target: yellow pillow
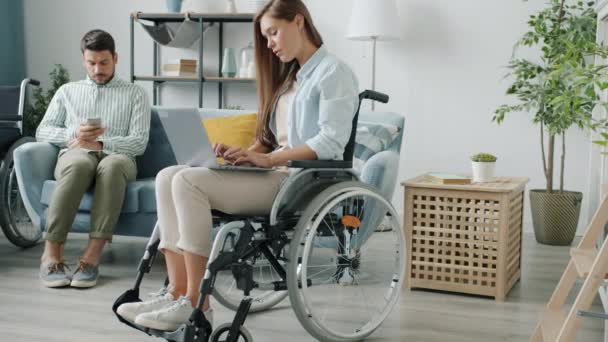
(234, 130)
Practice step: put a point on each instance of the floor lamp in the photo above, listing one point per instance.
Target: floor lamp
(374, 20)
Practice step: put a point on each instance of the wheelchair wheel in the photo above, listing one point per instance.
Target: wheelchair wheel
(14, 220)
(220, 334)
(225, 288)
(344, 278)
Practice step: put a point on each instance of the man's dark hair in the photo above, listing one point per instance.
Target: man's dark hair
(97, 40)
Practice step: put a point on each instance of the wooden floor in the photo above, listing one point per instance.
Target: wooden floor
(30, 312)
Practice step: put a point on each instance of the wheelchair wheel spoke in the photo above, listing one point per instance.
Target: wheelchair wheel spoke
(333, 231)
(326, 269)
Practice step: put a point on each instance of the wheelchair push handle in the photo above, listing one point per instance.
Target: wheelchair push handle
(27, 81)
(374, 96)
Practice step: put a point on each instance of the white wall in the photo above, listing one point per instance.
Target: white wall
(445, 76)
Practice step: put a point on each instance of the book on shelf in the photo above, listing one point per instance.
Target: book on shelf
(183, 62)
(177, 73)
(177, 67)
(448, 178)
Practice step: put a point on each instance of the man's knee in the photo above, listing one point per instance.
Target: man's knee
(116, 166)
(78, 168)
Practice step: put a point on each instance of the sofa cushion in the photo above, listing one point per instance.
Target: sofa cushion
(372, 137)
(235, 130)
(139, 197)
(158, 154)
(147, 196)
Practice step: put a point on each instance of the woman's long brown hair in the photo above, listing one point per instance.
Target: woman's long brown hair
(272, 74)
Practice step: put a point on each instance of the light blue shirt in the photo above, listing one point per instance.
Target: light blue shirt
(323, 108)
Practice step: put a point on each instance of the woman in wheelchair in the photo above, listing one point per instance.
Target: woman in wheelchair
(306, 234)
(307, 101)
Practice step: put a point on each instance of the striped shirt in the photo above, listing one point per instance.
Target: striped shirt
(123, 107)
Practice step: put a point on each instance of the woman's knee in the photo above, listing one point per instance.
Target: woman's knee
(191, 179)
(166, 175)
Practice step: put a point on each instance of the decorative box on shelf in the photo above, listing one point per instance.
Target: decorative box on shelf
(180, 67)
(464, 237)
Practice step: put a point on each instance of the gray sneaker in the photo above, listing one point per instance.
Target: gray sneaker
(85, 275)
(53, 274)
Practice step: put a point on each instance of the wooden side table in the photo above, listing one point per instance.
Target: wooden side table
(464, 238)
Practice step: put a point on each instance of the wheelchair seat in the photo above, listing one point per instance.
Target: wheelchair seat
(8, 135)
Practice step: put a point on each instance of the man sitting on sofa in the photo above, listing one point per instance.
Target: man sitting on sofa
(101, 124)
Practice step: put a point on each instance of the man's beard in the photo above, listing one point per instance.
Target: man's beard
(106, 81)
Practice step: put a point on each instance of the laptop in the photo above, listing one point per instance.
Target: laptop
(190, 143)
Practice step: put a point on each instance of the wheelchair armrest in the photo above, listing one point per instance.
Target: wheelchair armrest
(34, 164)
(320, 164)
(9, 117)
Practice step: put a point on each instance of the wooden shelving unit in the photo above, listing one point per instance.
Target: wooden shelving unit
(204, 19)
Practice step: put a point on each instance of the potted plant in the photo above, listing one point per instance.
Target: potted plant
(483, 167)
(559, 90)
(34, 113)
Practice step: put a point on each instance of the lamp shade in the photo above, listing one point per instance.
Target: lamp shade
(374, 19)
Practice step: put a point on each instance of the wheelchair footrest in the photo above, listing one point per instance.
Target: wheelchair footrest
(189, 332)
(197, 329)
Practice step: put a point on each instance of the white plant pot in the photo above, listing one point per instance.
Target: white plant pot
(483, 171)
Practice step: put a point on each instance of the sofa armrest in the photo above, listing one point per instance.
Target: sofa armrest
(34, 164)
(380, 171)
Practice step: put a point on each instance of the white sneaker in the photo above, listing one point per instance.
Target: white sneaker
(171, 316)
(168, 318)
(159, 300)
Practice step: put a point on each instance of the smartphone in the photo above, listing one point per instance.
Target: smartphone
(94, 122)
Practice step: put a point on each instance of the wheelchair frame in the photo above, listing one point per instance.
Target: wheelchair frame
(8, 182)
(264, 236)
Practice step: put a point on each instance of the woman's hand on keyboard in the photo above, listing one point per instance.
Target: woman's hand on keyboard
(231, 154)
(245, 157)
(226, 152)
(220, 149)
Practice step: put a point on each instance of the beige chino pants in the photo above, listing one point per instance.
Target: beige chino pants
(186, 195)
(76, 171)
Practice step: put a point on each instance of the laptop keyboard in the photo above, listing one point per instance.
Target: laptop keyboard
(236, 167)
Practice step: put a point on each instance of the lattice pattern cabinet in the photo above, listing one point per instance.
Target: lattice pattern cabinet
(464, 238)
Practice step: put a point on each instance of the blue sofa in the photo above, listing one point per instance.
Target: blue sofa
(35, 164)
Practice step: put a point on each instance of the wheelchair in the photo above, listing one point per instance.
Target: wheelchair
(318, 246)
(14, 220)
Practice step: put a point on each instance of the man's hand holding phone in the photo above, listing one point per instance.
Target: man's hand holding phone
(90, 130)
(87, 134)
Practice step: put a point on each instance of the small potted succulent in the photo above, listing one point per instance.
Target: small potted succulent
(483, 167)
